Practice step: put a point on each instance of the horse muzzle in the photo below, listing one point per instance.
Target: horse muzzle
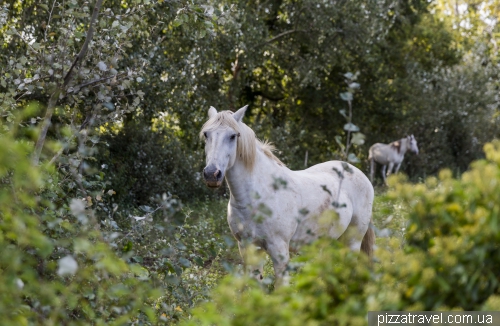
(213, 177)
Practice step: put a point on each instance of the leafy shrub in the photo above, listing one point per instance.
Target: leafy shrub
(64, 261)
(456, 224)
(144, 164)
(184, 259)
(56, 267)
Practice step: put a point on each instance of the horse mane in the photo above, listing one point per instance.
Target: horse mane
(247, 141)
(268, 148)
(396, 145)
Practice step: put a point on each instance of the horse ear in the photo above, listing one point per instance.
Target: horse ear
(212, 112)
(238, 115)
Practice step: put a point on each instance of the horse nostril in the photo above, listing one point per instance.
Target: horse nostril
(217, 174)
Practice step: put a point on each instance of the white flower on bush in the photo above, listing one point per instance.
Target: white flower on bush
(19, 283)
(77, 206)
(67, 266)
(102, 66)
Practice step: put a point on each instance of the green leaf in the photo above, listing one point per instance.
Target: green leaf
(44, 6)
(347, 96)
(108, 105)
(338, 139)
(348, 75)
(358, 139)
(353, 158)
(354, 85)
(184, 262)
(351, 127)
(177, 22)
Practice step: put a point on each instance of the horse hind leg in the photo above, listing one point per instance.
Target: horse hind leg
(353, 237)
(372, 169)
(384, 167)
(360, 238)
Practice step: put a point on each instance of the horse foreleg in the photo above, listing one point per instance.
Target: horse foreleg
(253, 260)
(396, 169)
(389, 168)
(280, 255)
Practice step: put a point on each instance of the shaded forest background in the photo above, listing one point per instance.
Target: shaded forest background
(101, 103)
(154, 68)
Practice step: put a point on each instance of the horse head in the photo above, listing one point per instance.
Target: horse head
(221, 134)
(412, 144)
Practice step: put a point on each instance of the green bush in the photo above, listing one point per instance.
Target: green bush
(450, 260)
(56, 268)
(456, 224)
(144, 164)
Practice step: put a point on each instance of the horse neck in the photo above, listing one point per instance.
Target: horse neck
(404, 146)
(244, 184)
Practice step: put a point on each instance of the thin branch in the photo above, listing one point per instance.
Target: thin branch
(48, 22)
(52, 161)
(45, 126)
(90, 83)
(83, 51)
(280, 36)
(27, 43)
(348, 142)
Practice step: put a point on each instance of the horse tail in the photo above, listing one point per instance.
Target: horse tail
(368, 241)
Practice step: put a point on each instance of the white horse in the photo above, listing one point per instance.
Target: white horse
(391, 155)
(289, 203)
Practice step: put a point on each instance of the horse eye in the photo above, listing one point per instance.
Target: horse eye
(232, 137)
(205, 134)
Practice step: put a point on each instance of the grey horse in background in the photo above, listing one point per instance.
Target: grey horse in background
(390, 155)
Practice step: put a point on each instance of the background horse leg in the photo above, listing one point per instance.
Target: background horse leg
(279, 251)
(396, 169)
(372, 169)
(383, 172)
(253, 260)
(389, 168)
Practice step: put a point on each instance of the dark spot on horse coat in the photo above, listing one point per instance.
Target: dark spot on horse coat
(325, 205)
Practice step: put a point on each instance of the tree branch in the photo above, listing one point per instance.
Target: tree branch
(67, 79)
(93, 82)
(83, 51)
(280, 36)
